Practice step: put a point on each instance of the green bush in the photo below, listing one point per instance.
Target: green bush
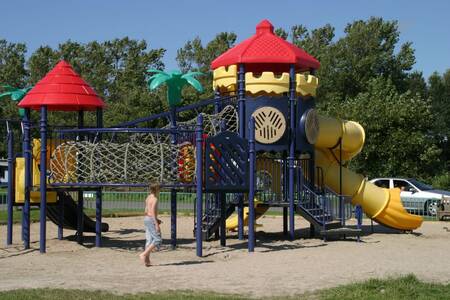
(442, 181)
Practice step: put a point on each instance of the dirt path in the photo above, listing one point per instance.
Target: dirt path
(278, 267)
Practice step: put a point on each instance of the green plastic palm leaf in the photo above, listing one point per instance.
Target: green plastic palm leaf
(175, 82)
(193, 81)
(156, 80)
(15, 94)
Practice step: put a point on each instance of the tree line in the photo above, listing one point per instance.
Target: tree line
(366, 75)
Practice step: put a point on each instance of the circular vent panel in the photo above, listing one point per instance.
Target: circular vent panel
(270, 125)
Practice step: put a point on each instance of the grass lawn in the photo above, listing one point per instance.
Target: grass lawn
(407, 287)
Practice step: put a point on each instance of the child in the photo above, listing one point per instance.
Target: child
(151, 222)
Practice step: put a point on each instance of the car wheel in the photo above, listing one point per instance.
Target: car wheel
(431, 207)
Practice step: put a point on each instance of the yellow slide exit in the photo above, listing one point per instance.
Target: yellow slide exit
(260, 209)
(382, 205)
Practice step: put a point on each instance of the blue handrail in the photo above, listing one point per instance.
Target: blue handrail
(177, 110)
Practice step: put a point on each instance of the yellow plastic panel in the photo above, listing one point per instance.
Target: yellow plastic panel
(225, 78)
(306, 84)
(267, 82)
(35, 196)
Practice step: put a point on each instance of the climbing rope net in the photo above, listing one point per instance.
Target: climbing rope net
(140, 158)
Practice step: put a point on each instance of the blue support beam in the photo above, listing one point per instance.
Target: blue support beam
(359, 216)
(251, 192)
(61, 219)
(173, 192)
(11, 194)
(199, 189)
(291, 156)
(223, 219)
(28, 179)
(80, 204)
(242, 127)
(80, 217)
(43, 181)
(98, 218)
(98, 193)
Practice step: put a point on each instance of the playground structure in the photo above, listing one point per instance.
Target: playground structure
(259, 143)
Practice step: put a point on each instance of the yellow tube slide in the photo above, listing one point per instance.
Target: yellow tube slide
(382, 205)
(232, 221)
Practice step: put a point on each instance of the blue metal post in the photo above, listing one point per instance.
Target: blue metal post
(223, 219)
(217, 106)
(28, 178)
(173, 192)
(291, 151)
(359, 215)
(43, 180)
(220, 198)
(80, 221)
(324, 223)
(199, 189)
(61, 219)
(98, 218)
(9, 238)
(98, 198)
(251, 192)
(341, 199)
(241, 108)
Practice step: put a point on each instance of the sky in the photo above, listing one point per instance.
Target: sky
(170, 24)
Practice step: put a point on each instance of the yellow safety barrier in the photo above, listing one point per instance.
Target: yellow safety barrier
(35, 195)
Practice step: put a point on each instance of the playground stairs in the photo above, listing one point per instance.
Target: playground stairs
(212, 216)
(316, 207)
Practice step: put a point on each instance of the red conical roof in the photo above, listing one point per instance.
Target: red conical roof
(265, 51)
(62, 89)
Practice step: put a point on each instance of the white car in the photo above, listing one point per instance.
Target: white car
(416, 196)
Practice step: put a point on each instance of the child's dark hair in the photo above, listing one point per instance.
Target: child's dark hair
(154, 188)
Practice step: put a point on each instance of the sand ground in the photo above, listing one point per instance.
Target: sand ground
(277, 267)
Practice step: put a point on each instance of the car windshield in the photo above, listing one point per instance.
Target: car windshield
(420, 185)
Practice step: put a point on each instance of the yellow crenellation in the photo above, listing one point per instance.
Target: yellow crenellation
(225, 79)
(267, 82)
(306, 84)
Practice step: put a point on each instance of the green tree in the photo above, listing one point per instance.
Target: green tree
(398, 140)
(439, 93)
(366, 51)
(12, 73)
(194, 56)
(116, 71)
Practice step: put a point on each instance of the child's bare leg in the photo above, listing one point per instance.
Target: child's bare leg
(145, 256)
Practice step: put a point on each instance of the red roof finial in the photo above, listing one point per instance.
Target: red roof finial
(265, 51)
(264, 27)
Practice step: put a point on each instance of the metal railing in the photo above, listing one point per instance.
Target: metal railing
(133, 201)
